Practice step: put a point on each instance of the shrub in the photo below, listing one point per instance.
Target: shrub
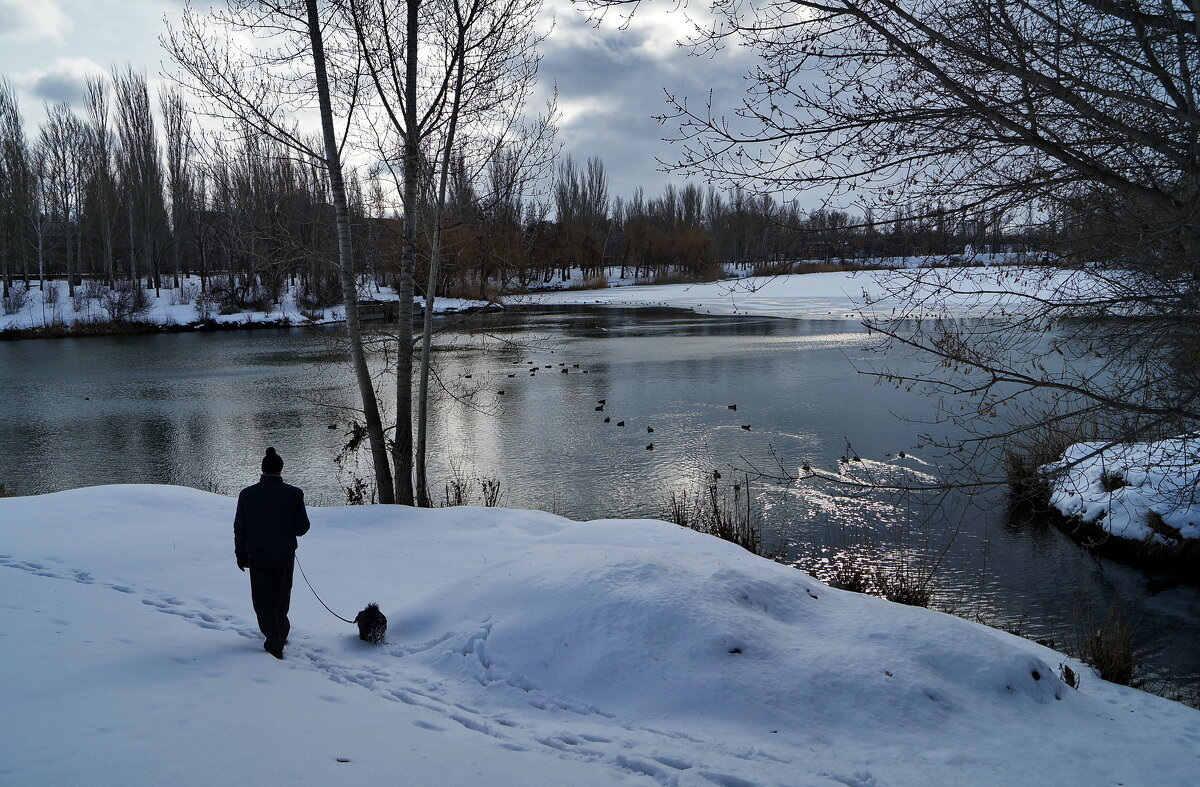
(79, 299)
(206, 305)
(316, 295)
(466, 286)
(904, 585)
(357, 492)
(595, 283)
(313, 296)
(93, 289)
(229, 295)
(1112, 480)
(186, 293)
(861, 572)
(52, 293)
(1109, 648)
(840, 265)
(125, 302)
(465, 488)
(204, 480)
(6, 492)
(669, 275)
(1025, 453)
(259, 297)
(18, 296)
(729, 515)
(88, 292)
(1068, 675)
(850, 575)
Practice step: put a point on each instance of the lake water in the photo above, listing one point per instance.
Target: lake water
(198, 409)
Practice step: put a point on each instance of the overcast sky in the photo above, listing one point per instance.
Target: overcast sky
(610, 82)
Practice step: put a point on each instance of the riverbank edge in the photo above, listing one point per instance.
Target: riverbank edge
(139, 327)
(143, 327)
(1180, 562)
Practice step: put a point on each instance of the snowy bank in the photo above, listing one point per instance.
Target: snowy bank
(944, 292)
(53, 309)
(911, 292)
(1142, 492)
(523, 649)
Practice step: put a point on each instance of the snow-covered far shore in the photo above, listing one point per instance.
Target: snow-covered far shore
(177, 306)
(853, 295)
(523, 649)
(909, 292)
(1141, 492)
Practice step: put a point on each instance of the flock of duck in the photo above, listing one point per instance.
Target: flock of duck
(600, 403)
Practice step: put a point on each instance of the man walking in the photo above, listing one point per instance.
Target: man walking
(270, 515)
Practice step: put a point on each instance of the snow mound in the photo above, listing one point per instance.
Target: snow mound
(1120, 486)
(647, 619)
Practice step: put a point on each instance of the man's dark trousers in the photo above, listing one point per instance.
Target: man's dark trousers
(271, 593)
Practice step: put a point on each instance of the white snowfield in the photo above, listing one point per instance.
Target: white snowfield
(523, 649)
(1118, 486)
(909, 293)
(166, 308)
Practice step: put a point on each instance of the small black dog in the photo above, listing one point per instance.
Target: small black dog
(372, 625)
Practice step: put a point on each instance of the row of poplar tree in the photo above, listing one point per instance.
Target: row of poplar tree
(132, 189)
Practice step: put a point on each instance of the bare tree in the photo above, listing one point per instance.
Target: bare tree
(41, 196)
(975, 104)
(177, 128)
(140, 173)
(390, 55)
(581, 202)
(451, 79)
(103, 183)
(63, 148)
(491, 45)
(16, 181)
(260, 91)
(1080, 115)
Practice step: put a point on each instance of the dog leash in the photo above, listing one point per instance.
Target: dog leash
(310, 587)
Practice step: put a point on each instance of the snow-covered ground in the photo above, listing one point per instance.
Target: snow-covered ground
(946, 292)
(961, 291)
(1118, 486)
(166, 308)
(618, 276)
(523, 649)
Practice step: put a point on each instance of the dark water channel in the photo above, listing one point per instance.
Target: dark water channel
(197, 409)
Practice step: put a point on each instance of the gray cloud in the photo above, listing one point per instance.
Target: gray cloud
(58, 86)
(611, 86)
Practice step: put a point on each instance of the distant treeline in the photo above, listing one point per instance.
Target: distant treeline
(132, 191)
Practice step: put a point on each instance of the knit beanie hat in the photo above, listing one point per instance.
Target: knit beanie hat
(272, 462)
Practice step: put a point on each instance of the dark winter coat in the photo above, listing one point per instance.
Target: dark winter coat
(270, 515)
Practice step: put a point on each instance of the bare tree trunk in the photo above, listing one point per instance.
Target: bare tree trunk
(72, 283)
(362, 375)
(402, 449)
(431, 287)
(133, 269)
(41, 255)
(151, 250)
(101, 161)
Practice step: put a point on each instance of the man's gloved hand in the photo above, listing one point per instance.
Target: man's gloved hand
(242, 561)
